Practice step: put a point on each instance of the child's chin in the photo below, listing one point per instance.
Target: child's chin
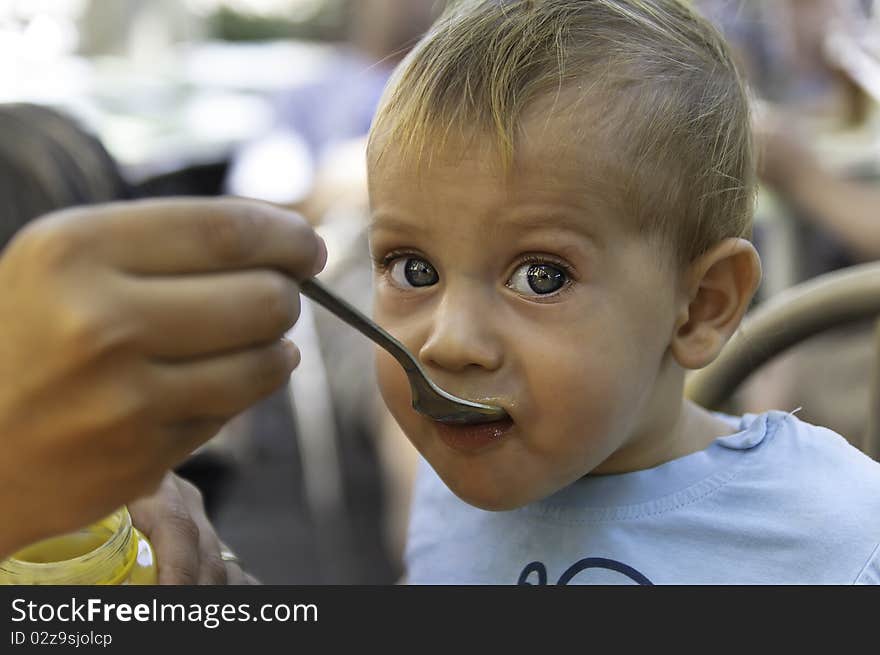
(490, 499)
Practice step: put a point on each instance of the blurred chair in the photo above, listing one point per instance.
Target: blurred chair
(807, 309)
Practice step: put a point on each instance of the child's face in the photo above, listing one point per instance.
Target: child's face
(525, 292)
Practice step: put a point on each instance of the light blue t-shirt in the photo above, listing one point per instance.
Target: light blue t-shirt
(779, 502)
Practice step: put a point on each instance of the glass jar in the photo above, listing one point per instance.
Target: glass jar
(109, 552)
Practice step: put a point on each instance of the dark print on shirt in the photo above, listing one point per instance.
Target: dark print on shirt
(585, 564)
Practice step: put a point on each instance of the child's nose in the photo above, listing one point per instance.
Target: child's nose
(462, 335)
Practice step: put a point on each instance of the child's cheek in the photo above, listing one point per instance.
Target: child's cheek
(394, 387)
(581, 395)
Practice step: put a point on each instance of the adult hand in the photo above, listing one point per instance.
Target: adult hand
(129, 334)
(188, 550)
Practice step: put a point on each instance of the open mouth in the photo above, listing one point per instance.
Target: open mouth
(473, 437)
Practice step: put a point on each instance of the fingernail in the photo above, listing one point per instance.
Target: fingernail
(293, 354)
(321, 257)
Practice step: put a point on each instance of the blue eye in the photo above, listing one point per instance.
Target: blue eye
(537, 279)
(413, 272)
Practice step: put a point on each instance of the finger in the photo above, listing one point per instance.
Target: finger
(183, 438)
(166, 522)
(212, 568)
(193, 316)
(177, 552)
(186, 235)
(225, 385)
(143, 511)
(235, 575)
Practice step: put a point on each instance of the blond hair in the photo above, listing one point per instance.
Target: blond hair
(655, 83)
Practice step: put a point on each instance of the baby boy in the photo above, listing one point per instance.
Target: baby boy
(561, 198)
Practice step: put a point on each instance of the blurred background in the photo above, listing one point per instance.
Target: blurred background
(272, 99)
(171, 85)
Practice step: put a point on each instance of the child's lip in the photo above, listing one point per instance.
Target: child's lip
(473, 438)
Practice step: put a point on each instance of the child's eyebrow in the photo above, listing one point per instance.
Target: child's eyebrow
(391, 224)
(544, 220)
(503, 224)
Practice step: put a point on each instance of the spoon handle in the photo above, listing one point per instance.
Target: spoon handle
(313, 289)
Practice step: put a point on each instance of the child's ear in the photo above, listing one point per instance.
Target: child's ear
(718, 287)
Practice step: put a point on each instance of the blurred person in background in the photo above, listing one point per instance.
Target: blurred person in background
(805, 93)
(783, 48)
(49, 163)
(798, 57)
(844, 206)
(326, 444)
(334, 111)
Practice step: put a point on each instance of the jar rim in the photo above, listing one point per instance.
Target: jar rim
(115, 547)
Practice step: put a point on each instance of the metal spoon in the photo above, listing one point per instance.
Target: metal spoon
(427, 397)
